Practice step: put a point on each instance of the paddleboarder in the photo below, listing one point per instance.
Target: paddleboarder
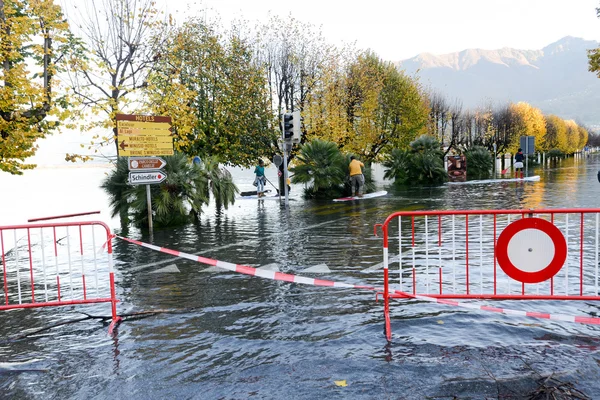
(357, 179)
(259, 180)
(519, 158)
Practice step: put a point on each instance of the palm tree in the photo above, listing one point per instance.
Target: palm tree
(177, 200)
(479, 162)
(396, 165)
(321, 165)
(115, 185)
(220, 182)
(422, 163)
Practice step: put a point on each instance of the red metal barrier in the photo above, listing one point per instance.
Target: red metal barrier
(492, 254)
(57, 264)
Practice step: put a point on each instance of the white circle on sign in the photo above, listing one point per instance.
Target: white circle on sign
(531, 250)
(134, 163)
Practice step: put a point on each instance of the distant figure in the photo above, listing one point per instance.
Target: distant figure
(519, 163)
(357, 179)
(260, 179)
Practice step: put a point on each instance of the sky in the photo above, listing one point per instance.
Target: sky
(400, 29)
(394, 29)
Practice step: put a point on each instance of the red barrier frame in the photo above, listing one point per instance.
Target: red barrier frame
(60, 301)
(387, 294)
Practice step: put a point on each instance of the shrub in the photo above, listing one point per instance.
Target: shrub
(555, 154)
(175, 201)
(421, 164)
(479, 162)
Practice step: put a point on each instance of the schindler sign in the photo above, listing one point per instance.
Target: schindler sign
(146, 178)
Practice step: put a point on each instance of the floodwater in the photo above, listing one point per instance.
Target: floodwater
(221, 335)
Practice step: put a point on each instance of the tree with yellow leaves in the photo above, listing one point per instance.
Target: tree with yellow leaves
(122, 41)
(573, 136)
(556, 134)
(325, 112)
(583, 137)
(34, 39)
(529, 122)
(367, 107)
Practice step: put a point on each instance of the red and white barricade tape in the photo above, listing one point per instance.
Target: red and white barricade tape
(243, 269)
(519, 313)
(279, 276)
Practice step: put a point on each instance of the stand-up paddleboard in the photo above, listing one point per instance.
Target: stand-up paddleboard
(253, 193)
(534, 178)
(365, 196)
(255, 196)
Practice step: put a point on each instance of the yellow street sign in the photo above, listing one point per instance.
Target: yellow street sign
(123, 145)
(146, 139)
(144, 135)
(147, 153)
(153, 132)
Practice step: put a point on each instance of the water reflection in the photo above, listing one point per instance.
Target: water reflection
(233, 336)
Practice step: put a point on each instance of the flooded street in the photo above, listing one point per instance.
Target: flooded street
(221, 335)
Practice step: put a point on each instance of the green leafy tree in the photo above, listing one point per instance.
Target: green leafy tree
(34, 41)
(216, 94)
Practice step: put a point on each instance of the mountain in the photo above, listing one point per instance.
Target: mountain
(555, 79)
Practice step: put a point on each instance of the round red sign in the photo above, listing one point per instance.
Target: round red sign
(531, 250)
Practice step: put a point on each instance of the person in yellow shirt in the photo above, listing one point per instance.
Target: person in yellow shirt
(357, 179)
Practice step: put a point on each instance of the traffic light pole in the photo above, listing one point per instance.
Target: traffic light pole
(285, 160)
(287, 148)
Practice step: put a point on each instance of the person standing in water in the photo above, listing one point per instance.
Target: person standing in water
(357, 179)
(519, 158)
(260, 179)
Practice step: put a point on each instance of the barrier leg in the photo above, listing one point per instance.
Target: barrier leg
(113, 301)
(386, 306)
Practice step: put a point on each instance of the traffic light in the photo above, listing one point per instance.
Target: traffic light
(288, 126)
(296, 128)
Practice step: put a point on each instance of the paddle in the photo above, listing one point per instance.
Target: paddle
(272, 184)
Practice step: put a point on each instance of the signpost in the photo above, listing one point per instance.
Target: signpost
(531, 250)
(144, 163)
(146, 177)
(528, 147)
(142, 137)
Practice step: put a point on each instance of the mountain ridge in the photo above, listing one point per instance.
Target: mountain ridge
(555, 78)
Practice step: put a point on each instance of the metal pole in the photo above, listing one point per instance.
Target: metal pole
(526, 154)
(285, 170)
(285, 158)
(149, 199)
(495, 160)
